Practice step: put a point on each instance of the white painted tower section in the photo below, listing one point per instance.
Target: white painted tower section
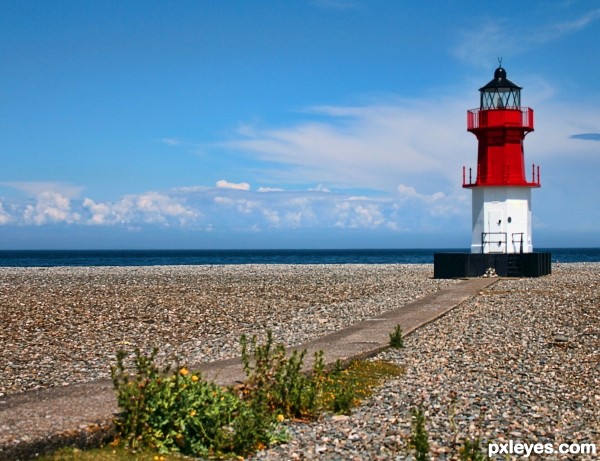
(501, 220)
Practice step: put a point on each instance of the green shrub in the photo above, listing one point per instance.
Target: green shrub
(471, 451)
(279, 383)
(396, 339)
(180, 411)
(419, 438)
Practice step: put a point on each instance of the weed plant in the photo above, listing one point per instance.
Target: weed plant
(396, 339)
(471, 451)
(278, 382)
(179, 411)
(419, 438)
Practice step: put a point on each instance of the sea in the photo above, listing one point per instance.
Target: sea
(56, 258)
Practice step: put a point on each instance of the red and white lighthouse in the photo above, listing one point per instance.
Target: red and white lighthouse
(501, 201)
(501, 234)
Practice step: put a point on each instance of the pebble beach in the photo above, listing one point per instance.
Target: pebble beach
(520, 361)
(64, 325)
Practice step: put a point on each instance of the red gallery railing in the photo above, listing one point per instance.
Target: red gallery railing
(535, 178)
(522, 118)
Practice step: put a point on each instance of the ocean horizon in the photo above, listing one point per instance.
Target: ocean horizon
(56, 258)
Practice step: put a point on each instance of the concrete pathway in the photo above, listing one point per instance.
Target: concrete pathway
(81, 414)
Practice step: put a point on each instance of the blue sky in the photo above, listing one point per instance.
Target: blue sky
(296, 124)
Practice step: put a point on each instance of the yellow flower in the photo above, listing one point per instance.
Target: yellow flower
(280, 418)
(184, 371)
(195, 378)
(193, 413)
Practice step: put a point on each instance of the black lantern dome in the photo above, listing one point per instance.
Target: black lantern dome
(500, 93)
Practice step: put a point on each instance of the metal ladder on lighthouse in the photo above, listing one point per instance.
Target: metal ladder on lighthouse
(514, 268)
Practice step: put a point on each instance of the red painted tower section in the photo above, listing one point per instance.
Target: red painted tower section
(500, 125)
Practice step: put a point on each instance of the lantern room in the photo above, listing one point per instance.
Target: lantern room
(500, 93)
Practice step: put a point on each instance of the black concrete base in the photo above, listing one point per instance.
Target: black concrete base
(460, 265)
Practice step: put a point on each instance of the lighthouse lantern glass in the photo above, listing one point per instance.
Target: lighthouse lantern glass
(500, 98)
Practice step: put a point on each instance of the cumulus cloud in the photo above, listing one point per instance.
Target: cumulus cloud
(359, 215)
(50, 207)
(147, 208)
(409, 192)
(437, 204)
(222, 184)
(242, 205)
(5, 218)
(100, 213)
(235, 209)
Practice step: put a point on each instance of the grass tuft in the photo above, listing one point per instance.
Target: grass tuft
(396, 339)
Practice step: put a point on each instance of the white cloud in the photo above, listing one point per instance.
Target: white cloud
(371, 146)
(559, 29)
(100, 212)
(5, 218)
(222, 184)
(50, 207)
(320, 188)
(499, 37)
(147, 208)
(272, 217)
(409, 192)
(207, 209)
(437, 204)
(555, 124)
(269, 189)
(242, 205)
(359, 215)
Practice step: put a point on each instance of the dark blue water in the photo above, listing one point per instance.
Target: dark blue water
(50, 258)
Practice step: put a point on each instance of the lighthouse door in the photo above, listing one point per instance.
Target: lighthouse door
(495, 240)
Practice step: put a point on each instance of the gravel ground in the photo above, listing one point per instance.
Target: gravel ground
(64, 325)
(520, 361)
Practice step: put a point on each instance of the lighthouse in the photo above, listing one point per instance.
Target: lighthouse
(501, 236)
(501, 200)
